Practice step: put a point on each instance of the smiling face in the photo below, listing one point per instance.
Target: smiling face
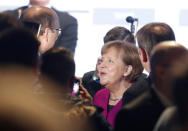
(111, 68)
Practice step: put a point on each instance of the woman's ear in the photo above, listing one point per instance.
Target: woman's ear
(128, 70)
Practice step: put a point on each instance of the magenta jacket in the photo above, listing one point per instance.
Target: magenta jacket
(101, 99)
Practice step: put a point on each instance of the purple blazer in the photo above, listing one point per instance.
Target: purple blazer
(101, 99)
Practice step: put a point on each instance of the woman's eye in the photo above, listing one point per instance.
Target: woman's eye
(111, 61)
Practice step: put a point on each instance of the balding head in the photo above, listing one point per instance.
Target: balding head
(166, 52)
(42, 15)
(49, 24)
(162, 57)
(39, 2)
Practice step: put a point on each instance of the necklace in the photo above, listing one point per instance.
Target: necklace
(115, 99)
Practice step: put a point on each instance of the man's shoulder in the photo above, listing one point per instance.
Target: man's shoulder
(64, 14)
(143, 112)
(147, 102)
(15, 11)
(132, 114)
(18, 8)
(139, 102)
(140, 86)
(142, 81)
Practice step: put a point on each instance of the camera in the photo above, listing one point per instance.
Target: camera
(76, 88)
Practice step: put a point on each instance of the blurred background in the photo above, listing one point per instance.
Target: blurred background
(96, 17)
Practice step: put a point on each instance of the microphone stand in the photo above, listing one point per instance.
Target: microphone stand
(131, 20)
(132, 28)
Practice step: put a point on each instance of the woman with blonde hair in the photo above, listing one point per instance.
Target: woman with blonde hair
(119, 67)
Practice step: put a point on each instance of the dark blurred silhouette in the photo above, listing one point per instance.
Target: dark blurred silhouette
(8, 21)
(19, 46)
(144, 111)
(58, 64)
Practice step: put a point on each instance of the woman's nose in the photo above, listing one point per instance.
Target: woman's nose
(102, 64)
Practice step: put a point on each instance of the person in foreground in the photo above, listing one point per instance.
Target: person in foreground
(175, 118)
(119, 67)
(58, 73)
(143, 112)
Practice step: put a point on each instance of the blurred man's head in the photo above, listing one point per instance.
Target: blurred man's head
(179, 86)
(149, 36)
(49, 25)
(119, 33)
(162, 57)
(58, 64)
(8, 21)
(19, 46)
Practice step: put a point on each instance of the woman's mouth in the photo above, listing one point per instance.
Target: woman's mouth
(102, 74)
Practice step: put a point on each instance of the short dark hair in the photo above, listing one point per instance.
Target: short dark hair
(58, 64)
(129, 55)
(153, 33)
(19, 46)
(8, 21)
(119, 33)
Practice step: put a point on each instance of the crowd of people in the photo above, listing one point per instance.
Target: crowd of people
(37, 77)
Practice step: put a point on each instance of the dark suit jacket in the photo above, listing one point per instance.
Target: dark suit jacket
(140, 86)
(141, 114)
(91, 85)
(68, 24)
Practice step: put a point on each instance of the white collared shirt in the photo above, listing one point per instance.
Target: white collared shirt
(48, 5)
(145, 72)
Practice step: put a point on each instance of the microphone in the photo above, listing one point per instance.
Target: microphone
(130, 19)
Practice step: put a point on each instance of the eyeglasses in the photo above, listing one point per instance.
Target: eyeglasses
(57, 29)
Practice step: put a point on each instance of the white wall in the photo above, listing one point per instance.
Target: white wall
(96, 17)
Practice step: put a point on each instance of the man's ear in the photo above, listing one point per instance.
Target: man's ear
(143, 54)
(128, 70)
(46, 34)
(44, 37)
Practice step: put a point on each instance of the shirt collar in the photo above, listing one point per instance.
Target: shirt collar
(145, 72)
(48, 5)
